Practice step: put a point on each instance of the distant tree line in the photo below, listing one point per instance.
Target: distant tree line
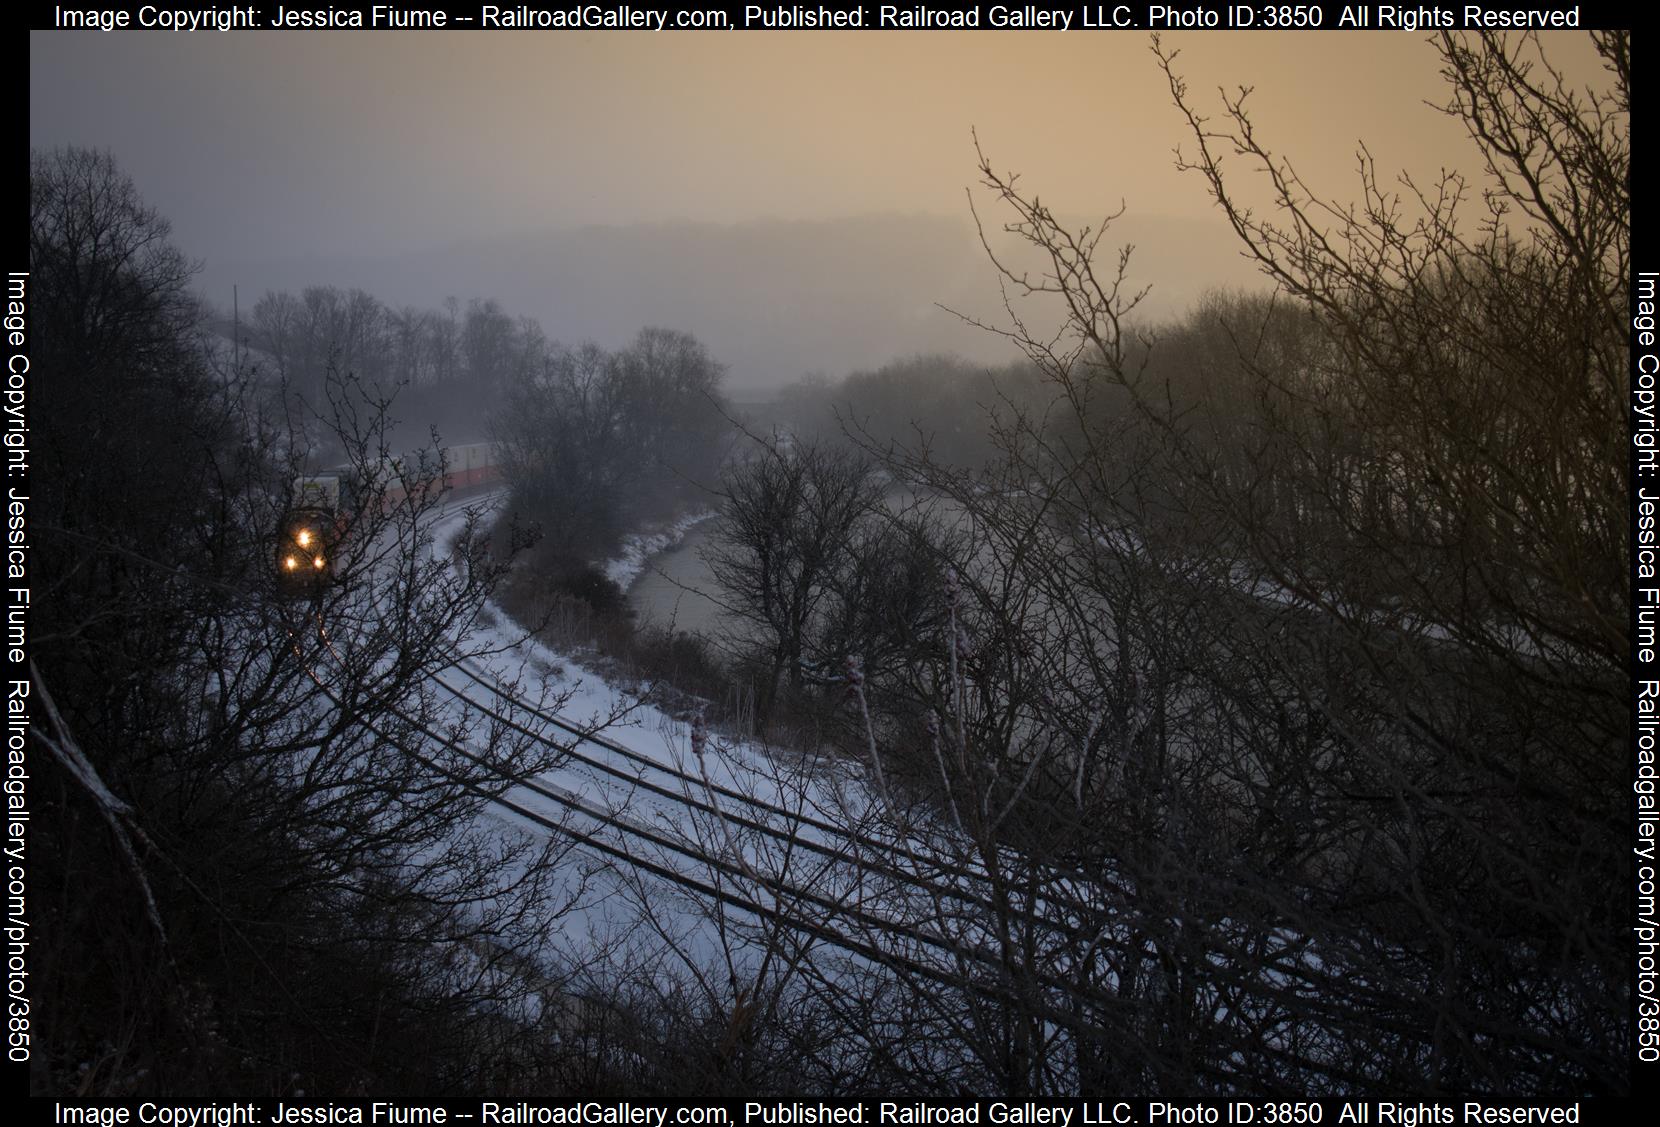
(594, 441)
(941, 403)
(447, 365)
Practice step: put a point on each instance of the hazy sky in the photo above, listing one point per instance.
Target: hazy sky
(294, 143)
(289, 145)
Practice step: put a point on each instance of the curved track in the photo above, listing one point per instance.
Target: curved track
(876, 926)
(884, 901)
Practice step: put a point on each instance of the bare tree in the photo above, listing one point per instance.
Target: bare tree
(1325, 604)
(783, 544)
(335, 914)
(595, 442)
(673, 419)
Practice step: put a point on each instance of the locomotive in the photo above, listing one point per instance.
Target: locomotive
(322, 507)
(311, 530)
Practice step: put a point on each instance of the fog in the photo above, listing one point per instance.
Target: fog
(799, 201)
(774, 299)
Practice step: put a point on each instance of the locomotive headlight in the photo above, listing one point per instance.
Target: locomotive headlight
(304, 538)
(290, 563)
(317, 562)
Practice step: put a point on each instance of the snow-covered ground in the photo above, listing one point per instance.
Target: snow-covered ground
(704, 857)
(638, 548)
(664, 824)
(682, 817)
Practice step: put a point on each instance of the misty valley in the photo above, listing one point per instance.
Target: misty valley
(1226, 698)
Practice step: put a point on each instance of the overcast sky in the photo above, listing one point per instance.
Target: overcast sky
(264, 146)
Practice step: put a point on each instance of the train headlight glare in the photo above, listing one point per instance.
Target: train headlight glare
(290, 563)
(317, 562)
(304, 537)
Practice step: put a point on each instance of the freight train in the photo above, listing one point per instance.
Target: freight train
(324, 506)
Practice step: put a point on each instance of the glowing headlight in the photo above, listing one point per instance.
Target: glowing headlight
(290, 563)
(317, 562)
(304, 538)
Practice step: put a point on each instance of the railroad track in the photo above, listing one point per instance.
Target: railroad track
(883, 901)
(865, 939)
(697, 796)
